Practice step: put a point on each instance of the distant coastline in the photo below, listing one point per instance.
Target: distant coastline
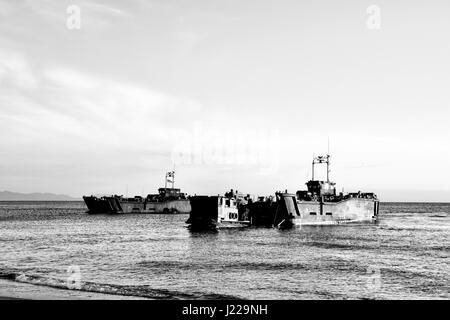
(36, 196)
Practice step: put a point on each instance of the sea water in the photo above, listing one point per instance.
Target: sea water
(405, 255)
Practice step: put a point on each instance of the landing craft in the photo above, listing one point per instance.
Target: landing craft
(318, 205)
(211, 212)
(167, 201)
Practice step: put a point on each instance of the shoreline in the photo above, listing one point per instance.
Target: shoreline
(12, 290)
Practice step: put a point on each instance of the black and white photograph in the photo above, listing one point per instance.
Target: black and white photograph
(240, 152)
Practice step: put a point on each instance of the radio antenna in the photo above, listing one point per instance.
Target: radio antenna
(328, 152)
(328, 160)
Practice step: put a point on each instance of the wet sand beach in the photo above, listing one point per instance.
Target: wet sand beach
(11, 290)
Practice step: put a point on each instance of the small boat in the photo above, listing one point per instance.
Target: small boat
(216, 212)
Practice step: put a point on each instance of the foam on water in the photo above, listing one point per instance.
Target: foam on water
(114, 289)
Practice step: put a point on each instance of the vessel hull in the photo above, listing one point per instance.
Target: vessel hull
(167, 207)
(352, 210)
(115, 205)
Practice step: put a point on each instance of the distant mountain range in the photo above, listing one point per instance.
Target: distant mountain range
(16, 196)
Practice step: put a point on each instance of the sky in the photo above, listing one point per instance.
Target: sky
(104, 97)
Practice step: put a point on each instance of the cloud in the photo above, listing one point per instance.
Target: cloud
(71, 124)
(15, 70)
(78, 110)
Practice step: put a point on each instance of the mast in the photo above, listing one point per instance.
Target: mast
(328, 161)
(328, 168)
(173, 176)
(170, 177)
(321, 159)
(173, 179)
(165, 182)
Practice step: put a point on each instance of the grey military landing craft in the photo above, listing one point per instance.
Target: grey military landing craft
(168, 201)
(318, 205)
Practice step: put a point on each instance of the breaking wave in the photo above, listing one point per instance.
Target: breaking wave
(143, 291)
